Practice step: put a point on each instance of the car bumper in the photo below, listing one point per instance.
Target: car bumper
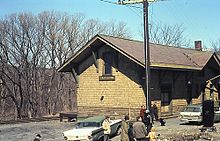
(74, 138)
(191, 119)
(78, 139)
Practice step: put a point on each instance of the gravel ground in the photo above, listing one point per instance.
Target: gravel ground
(52, 131)
(175, 131)
(49, 130)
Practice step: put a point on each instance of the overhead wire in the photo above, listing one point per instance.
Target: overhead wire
(135, 10)
(128, 6)
(153, 16)
(138, 13)
(109, 2)
(138, 10)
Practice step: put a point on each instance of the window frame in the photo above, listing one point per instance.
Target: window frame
(107, 75)
(108, 59)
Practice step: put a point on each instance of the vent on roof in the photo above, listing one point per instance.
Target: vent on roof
(198, 45)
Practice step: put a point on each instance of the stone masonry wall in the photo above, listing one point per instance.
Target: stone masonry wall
(123, 95)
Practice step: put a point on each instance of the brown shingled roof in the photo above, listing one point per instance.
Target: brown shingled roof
(160, 56)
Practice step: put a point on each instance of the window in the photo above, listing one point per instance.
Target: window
(107, 69)
(108, 60)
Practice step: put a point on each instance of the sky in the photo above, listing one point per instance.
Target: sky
(199, 18)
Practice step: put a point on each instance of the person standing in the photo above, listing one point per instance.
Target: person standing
(155, 111)
(139, 130)
(124, 129)
(148, 121)
(142, 110)
(106, 127)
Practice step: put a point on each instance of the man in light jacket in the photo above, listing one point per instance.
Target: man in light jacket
(124, 129)
(106, 127)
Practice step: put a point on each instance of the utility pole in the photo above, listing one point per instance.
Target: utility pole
(146, 45)
(147, 54)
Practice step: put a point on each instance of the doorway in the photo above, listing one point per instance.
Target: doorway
(166, 98)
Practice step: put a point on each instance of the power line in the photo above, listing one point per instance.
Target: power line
(133, 10)
(109, 2)
(137, 7)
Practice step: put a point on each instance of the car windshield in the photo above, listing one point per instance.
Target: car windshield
(87, 124)
(192, 109)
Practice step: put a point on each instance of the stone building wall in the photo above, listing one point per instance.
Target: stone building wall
(124, 95)
(119, 97)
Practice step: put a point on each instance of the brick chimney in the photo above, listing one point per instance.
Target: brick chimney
(198, 45)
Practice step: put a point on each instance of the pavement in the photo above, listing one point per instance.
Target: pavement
(174, 130)
(52, 131)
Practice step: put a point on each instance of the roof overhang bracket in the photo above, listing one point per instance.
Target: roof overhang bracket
(95, 57)
(217, 59)
(116, 60)
(75, 76)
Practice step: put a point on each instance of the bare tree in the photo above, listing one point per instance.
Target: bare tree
(118, 29)
(31, 48)
(216, 45)
(172, 35)
(19, 58)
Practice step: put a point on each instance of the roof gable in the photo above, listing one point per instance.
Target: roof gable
(160, 55)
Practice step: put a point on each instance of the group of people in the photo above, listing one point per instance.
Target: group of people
(141, 130)
(153, 112)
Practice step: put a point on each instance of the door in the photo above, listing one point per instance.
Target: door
(166, 98)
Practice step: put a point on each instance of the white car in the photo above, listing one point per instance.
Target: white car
(193, 113)
(91, 129)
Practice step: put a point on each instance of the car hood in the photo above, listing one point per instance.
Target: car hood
(80, 131)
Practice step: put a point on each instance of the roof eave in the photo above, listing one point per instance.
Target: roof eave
(65, 64)
(174, 66)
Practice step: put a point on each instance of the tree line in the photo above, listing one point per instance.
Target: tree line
(31, 48)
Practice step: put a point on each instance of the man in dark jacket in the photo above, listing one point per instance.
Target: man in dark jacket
(139, 130)
(148, 121)
(155, 112)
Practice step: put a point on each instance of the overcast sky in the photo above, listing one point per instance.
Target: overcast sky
(200, 18)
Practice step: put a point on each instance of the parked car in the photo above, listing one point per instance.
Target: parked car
(91, 129)
(193, 113)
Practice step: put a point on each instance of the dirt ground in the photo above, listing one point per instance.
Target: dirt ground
(49, 130)
(176, 131)
(52, 131)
